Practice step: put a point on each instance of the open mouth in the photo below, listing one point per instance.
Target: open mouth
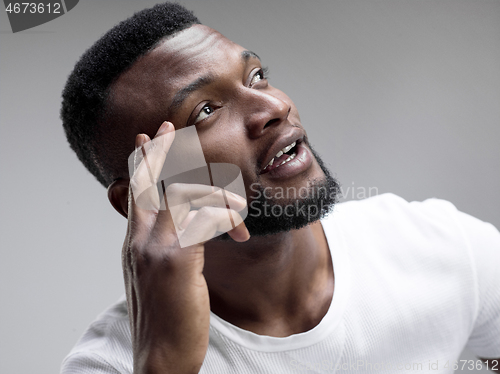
(283, 156)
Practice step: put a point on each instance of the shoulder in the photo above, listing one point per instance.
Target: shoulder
(433, 221)
(106, 346)
(433, 251)
(388, 205)
(430, 238)
(389, 212)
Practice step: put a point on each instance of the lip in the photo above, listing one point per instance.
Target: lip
(296, 135)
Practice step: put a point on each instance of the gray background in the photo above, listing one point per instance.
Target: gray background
(399, 95)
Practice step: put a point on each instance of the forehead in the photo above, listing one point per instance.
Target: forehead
(198, 47)
(153, 80)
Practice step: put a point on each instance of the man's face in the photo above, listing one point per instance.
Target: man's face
(200, 78)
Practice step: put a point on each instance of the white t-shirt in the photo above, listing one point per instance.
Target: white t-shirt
(415, 283)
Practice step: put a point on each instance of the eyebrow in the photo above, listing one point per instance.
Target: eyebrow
(182, 94)
(245, 55)
(199, 83)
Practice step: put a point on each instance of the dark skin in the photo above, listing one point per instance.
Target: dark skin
(278, 285)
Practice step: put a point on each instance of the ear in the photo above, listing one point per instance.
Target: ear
(118, 195)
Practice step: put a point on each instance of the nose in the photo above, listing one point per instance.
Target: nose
(263, 110)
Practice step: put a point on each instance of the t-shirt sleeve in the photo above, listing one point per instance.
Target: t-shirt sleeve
(484, 244)
(86, 363)
(105, 347)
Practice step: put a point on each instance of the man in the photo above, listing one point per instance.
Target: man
(379, 285)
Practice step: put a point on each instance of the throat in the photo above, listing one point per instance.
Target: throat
(285, 292)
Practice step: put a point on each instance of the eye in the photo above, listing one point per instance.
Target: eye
(259, 75)
(205, 111)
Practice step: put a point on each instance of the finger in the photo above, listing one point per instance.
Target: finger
(240, 233)
(185, 223)
(150, 156)
(141, 181)
(139, 208)
(148, 162)
(156, 150)
(183, 198)
(137, 217)
(199, 195)
(140, 221)
(219, 198)
(208, 221)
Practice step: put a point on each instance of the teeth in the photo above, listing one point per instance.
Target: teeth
(291, 157)
(284, 150)
(288, 147)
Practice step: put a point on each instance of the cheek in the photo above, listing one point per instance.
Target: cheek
(223, 141)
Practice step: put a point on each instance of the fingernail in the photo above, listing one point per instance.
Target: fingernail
(247, 233)
(139, 140)
(164, 126)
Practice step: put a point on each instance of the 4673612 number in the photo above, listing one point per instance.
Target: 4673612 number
(33, 8)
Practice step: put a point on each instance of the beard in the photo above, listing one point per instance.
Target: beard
(282, 212)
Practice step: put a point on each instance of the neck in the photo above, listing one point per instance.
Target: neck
(274, 285)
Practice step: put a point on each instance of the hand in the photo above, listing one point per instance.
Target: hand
(167, 295)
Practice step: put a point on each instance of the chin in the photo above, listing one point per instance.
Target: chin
(291, 208)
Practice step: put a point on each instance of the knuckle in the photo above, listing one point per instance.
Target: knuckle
(154, 254)
(175, 189)
(207, 213)
(142, 259)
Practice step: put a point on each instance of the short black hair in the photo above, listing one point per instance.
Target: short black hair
(85, 96)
